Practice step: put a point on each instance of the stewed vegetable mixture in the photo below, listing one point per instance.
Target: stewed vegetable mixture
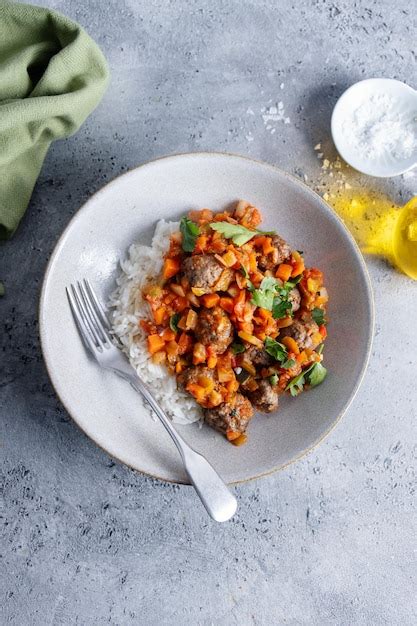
(236, 316)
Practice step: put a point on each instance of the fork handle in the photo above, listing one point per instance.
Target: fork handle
(219, 502)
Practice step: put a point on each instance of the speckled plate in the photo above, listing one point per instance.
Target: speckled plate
(126, 210)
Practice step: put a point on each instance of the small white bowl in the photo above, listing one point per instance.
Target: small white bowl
(386, 164)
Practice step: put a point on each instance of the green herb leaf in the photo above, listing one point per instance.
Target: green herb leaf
(238, 348)
(277, 350)
(273, 379)
(173, 322)
(296, 385)
(238, 234)
(290, 284)
(317, 374)
(190, 232)
(244, 271)
(318, 316)
(264, 296)
(288, 364)
(280, 308)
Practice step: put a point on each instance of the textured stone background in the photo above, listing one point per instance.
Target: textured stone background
(330, 540)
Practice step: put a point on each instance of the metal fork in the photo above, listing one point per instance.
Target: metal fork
(94, 328)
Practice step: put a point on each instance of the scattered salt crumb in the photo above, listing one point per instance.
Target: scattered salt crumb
(325, 196)
(347, 186)
(269, 127)
(280, 106)
(287, 120)
(326, 164)
(250, 111)
(249, 137)
(274, 113)
(273, 130)
(281, 86)
(317, 146)
(305, 177)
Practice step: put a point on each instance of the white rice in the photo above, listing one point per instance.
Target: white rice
(142, 265)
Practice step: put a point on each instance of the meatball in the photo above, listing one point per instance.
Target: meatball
(204, 272)
(233, 415)
(258, 357)
(214, 329)
(264, 398)
(192, 375)
(281, 253)
(295, 298)
(302, 332)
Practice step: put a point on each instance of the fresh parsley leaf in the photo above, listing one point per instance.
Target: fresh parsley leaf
(317, 374)
(275, 349)
(318, 316)
(313, 375)
(190, 232)
(238, 348)
(290, 284)
(264, 296)
(273, 379)
(296, 385)
(280, 308)
(173, 322)
(244, 271)
(237, 233)
(288, 364)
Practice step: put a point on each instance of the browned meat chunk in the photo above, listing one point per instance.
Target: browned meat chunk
(281, 253)
(204, 272)
(302, 333)
(194, 374)
(295, 298)
(214, 329)
(258, 357)
(264, 398)
(233, 416)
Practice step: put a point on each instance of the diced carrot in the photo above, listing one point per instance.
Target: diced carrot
(297, 268)
(201, 243)
(239, 441)
(215, 398)
(302, 357)
(172, 348)
(323, 331)
(148, 327)
(284, 272)
(207, 383)
(259, 241)
(253, 267)
(232, 386)
(286, 321)
(199, 353)
(317, 338)
(227, 304)
(232, 434)
(191, 321)
(267, 246)
(197, 391)
(250, 339)
(159, 357)
(179, 304)
(185, 343)
(210, 300)
(212, 362)
(168, 334)
(159, 315)
(247, 327)
(179, 367)
(291, 344)
(239, 305)
(202, 216)
(171, 267)
(155, 343)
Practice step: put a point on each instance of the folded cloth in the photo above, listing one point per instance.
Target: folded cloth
(52, 75)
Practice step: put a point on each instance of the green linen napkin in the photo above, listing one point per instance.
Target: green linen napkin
(52, 75)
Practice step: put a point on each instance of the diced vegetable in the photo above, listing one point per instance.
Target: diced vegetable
(185, 343)
(291, 345)
(177, 289)
(210, 300)
(171, 267)
(239, 441)
(155, 343)
(197, 291)
(284, 272)
(250, 339)
(215, 398)
(227, 304)
(231, 435)
(191, 321)
(159, 357)
(199, 353)
(168, 334)
(159, 315)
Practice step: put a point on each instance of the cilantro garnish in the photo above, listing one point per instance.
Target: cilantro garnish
(313, 375)
(318, 316)
(237, 348)
(238, 234)
(190, 232)
(173, 322)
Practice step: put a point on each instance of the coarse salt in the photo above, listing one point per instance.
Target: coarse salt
(377, 127)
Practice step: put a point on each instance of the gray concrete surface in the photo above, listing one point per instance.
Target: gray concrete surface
(330, 540)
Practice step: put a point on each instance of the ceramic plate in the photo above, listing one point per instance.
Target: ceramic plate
(125, 211)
